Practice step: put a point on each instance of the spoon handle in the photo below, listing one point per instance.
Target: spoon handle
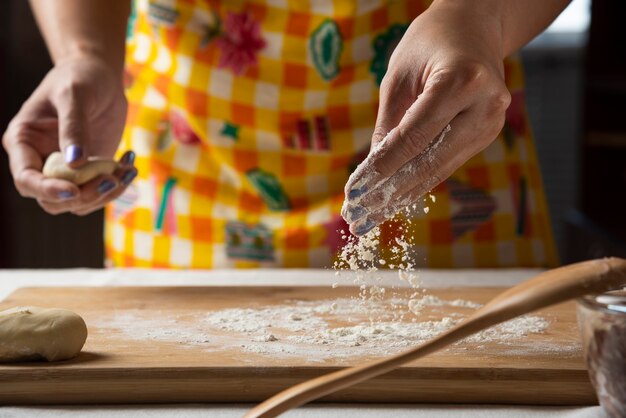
(548, 288)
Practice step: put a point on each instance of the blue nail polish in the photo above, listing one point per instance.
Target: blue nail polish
(106, 186)
(357, 212)
(73, 153)
(365, 227)
(354, 193)
(128, 177)
(128, 158)
(66, 195)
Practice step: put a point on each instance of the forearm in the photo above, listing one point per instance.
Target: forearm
(517, 21)
(75, 28)
(523, 20)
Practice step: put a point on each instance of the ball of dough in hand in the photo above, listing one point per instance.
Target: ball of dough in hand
(56, 167)
(31, 333)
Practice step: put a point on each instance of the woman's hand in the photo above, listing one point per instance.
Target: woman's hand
(442, 100)
(80, 109)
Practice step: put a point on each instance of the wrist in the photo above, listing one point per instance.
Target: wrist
(483, 18)
(82, 52)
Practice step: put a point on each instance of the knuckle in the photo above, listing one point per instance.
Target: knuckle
(498, 101)
(71, 89)
(394, 83)
(15, 129)
(412, 140)
(21, 184)
(379, 133)
(388, 83)
(85, 212)
(20, 190)
(6, 139)
(49, 209)
(471, 73)
(470, 77)
(440, 79)
(465, 76)
(9, 134)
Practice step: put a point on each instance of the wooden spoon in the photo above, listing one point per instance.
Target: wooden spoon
(548, 288)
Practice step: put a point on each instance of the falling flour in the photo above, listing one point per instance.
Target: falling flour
(362, 258)
(376, 321)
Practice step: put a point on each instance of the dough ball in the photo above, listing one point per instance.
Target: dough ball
(30, 333)
(56, 167)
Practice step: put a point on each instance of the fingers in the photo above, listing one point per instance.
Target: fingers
(31, 183)
(74, 134)
(24, 143)
(92, 193)
(109, 188)
(28, 142)
(423, 173)
(97, 192)
(424, 121)
(124, 179)
(404, 180)
(376, 190)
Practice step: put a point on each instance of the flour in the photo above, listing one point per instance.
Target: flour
(362, 258)
(368, 178)
(316, 330)
(514, 329)
(266, 338)
(389, 195)
(416, 305)
(150, 326)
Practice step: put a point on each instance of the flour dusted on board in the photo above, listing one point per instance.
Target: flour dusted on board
(316, 330)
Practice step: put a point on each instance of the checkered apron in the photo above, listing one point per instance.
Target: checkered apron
(247, 118)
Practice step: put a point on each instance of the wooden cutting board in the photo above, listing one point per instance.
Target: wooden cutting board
(156, 345)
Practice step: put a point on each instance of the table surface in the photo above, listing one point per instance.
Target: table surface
(13, 279)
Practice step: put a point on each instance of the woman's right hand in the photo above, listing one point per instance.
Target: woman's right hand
(80, 109)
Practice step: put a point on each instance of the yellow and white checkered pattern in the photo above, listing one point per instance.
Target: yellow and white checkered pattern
(194, 202)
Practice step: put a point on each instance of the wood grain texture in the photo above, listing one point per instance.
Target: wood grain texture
(544, 290)
(541, 369)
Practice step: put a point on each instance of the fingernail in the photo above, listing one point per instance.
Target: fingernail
(354, 193)
(128, 158)
(356, 212)
(365, 227)
(106, 186)
(128, 177)
(73, 153)
(66, 195)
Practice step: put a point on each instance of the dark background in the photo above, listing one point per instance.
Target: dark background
(30, 238)
(576, 90)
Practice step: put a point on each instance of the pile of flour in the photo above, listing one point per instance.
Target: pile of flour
(340, 325)
(316, 330)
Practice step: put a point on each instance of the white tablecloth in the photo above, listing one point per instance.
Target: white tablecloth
(13, 279)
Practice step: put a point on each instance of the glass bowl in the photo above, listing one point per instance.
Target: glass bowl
(602, 323)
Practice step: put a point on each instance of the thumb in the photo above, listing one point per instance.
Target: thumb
(74, 132)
